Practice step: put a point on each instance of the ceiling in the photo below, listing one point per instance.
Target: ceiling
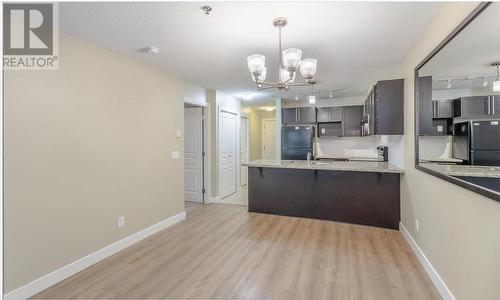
(355, 43)
(470, 53)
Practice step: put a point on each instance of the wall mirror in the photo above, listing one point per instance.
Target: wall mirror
(457, 105)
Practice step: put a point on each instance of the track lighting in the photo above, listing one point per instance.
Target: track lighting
(484, 83)
(448, 86)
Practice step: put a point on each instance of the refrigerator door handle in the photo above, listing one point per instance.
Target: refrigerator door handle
(489, 105)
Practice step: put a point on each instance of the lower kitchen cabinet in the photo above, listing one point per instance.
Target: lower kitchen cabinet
(355, 197)
(358, 197)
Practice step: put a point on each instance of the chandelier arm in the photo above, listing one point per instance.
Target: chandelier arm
(300, 84)
(267, 83)
(266, 88)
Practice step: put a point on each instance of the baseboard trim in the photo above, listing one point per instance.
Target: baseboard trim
(58, 275)
(429, 268)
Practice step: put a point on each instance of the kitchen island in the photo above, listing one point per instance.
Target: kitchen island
(365, 193)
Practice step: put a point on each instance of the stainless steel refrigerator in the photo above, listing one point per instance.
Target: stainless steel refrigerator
(477, 142)
(296, 141)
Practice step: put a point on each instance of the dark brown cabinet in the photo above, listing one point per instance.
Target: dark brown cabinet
(351, 120)
(330, 114)
(298, 115)
(355, 197)
(425, 105)
(389, 107)
(442, 109)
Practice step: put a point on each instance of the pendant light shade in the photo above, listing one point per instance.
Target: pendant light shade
(285, 76)
(262, 75)
(308, 67)
(291, 58)
(312, 99)
(256, 63)
(496, 85)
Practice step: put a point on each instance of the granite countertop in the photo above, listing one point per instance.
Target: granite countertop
(464, 170)
(356, 166)
(441, 159)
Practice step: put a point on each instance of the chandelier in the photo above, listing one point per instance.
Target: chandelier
(289, 61)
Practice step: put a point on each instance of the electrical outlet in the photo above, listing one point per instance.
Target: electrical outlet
(417, 225)
(176, 155)
(121, 221)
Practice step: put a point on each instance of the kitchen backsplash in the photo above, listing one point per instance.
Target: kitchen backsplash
(363, 147)
(435, 146)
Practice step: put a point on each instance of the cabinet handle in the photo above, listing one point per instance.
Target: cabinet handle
(492, 105)
(489, 105)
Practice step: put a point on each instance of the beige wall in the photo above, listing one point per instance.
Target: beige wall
(459, 230)
(84, 145)
(255, 117)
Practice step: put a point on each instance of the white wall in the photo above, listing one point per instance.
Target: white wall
(459, 230)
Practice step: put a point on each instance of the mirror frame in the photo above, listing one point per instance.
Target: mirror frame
(471, 17)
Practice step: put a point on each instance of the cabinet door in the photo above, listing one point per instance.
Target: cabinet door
(425, 105)
(289, 115)
(475, 106)
(351, 120)
(358, 197)
(336, 114)
(495, 105)
(389, 107)
(442, 109)
(323, 114)
(267, 195)
(307, 114)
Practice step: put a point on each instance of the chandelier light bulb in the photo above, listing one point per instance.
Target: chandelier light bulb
(256, 63)
(308, 67)
(312, 99)
(285, 76)
(291, 58)
(262, 75)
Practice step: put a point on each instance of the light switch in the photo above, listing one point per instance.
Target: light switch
(440, 128)
(323, 130)
(175, 155)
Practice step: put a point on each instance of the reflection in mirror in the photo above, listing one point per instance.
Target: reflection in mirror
(459, 107)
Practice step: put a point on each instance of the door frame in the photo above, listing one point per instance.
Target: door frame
(262, 135)
(237, 150)
(247, 134)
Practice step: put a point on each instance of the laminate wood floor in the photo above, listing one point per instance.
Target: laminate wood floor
(223, 252)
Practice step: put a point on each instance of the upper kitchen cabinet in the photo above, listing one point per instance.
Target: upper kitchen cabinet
(351, 120)
(442, 109)
(298, 115)
(384, 108)
(329, 114)
(425, 106)
(389, 107)
(476, 106)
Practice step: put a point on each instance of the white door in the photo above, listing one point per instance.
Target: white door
(243, 150)
(227, 154)
(193, 160)
(268, 139)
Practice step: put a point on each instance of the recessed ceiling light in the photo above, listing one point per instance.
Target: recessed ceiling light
(150, 50)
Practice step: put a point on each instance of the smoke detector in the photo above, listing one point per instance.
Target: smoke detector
(207, 9)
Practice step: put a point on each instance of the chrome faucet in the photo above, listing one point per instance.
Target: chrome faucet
(308, 158)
